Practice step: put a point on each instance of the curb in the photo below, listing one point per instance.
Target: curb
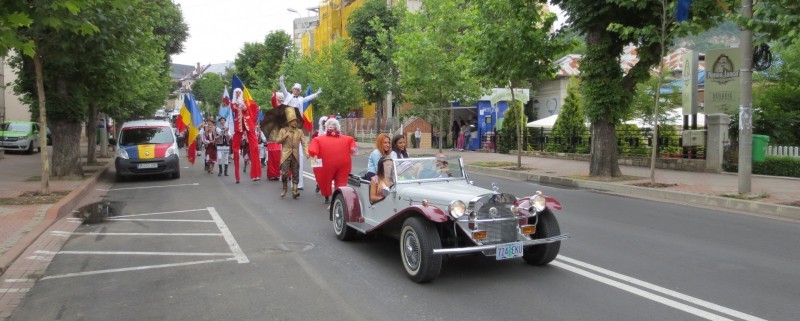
(768, 209)
(55, 212)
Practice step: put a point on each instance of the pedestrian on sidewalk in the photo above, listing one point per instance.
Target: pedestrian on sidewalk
(455, 129)
(462, 129)
(417, 137)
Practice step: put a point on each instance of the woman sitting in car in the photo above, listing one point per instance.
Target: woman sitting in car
(380, 185)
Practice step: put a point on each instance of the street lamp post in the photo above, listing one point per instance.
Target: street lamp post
(305, 30)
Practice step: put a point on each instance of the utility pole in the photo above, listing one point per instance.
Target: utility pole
(746, 107)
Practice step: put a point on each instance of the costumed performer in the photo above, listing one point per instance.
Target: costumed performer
(223, 143)
(294, 99)
(335, 150)
(291, 138)
(244, 125)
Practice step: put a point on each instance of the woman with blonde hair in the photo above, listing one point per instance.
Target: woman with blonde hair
(383, 148)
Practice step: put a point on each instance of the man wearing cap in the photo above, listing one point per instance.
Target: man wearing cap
(291, 139)
(296, 100)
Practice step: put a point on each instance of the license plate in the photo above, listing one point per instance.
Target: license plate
(508, 251)
(147, 165)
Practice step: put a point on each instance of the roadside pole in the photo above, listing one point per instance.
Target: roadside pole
(746, 107)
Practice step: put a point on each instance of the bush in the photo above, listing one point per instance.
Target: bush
(778, 166)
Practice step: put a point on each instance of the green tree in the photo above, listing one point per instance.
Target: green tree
(609, 26)
(208, 90)
(513, 46)
(512, 122)
(571, 123)
(776, 97)
(371, 28)
(122, 70)
(278, 44)
(23, 26)
(434, 65)
(337, 75)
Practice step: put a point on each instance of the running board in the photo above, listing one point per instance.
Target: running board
(361, 227)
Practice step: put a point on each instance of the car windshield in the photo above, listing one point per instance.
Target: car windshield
(428, 168)
(145, 135)
(16, 127)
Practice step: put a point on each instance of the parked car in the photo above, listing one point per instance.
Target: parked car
(147, 147)
(434, 210)
(20, 136)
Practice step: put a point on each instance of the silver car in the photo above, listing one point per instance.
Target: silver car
(434, 210)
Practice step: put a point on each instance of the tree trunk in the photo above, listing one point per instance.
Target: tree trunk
(91, 135)
(45, 186)
(604, 150)
(66, 148)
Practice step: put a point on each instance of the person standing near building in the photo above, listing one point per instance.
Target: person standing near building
(417, 138)
(292, 140)
(294, 99)
(455, 129)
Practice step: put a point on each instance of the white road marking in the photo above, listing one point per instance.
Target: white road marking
(160, 213)
(40, 258)
(59, 233)
(137, 268)
(642, 293)
(14, 290)
(159, 220)
(19, 280)
(226, 233)
(145, 187)
(144, 253)
(656, 288)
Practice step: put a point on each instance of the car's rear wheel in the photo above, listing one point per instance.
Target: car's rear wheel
(339, 215)
(544, 253)
(418, 239)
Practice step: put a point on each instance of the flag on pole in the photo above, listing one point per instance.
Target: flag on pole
(308, 113)
(192, 121)
(682, 10)
(252, 107)
(225, 111)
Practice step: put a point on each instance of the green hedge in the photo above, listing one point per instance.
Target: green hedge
(778, 166)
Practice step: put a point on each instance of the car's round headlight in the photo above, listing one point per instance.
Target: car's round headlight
(456, 209)
(538, 203)
(122, 153)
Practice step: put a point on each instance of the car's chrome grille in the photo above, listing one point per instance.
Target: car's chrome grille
(499, 231)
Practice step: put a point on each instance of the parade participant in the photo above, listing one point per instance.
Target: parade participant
(291, 138)
(223, 142)
(262, 146)
(243, 128)
(380, 185)
(399, 147)
(296, 100)
(317, 133)
(383, 148)
(334, 149)
(209, 140)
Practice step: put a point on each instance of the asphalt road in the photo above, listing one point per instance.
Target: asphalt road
(204, 248)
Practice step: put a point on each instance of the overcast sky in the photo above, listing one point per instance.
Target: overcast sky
(218, 29)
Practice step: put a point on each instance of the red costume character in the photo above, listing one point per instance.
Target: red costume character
(244, 122)
(335, 151)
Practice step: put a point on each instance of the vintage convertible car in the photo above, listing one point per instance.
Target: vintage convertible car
(434, 210)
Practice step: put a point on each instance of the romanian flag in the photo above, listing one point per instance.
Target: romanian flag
(192, 120)
(308, 113)
(252, 107)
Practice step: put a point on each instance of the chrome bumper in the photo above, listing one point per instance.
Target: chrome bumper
(480, 248)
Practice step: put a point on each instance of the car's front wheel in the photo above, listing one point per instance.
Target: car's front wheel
(418, 239)
(30, 149)
(544, 253)
(177, 173)
(339, 215)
